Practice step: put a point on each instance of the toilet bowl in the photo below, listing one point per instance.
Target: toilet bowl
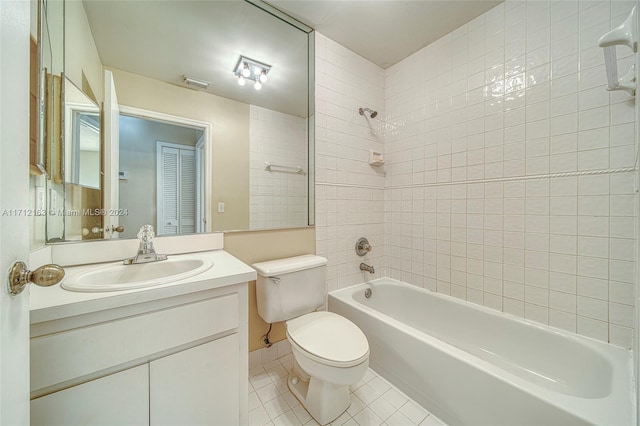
(330, 352)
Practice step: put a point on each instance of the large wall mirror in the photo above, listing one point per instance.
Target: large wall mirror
(192, 116)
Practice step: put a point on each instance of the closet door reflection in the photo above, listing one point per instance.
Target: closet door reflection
(176, 189)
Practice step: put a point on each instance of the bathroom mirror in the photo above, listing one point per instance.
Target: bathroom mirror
(46, 86)
(82, 136)
(177, 63)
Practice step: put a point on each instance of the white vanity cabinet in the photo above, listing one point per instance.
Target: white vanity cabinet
(208, 374)
(125, 401)
(179, 360)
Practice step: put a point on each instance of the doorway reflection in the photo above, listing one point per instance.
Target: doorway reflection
(160, 177)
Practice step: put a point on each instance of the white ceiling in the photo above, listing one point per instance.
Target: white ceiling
(384, 32)
(203, 39)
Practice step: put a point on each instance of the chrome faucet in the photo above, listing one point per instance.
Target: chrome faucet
(146, 252)
(365, 267)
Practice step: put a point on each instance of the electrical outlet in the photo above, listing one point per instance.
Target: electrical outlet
(41, 203)
(220, 207)
(53, 199)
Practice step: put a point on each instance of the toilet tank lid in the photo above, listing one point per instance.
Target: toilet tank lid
(288, 265)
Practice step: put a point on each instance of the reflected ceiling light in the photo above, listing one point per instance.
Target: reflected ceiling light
(250, 69)
(246, 72)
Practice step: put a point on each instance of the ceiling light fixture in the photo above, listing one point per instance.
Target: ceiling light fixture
(201, 84)
(250, 69)
(246, 72)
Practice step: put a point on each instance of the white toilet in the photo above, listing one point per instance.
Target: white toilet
(330, 352)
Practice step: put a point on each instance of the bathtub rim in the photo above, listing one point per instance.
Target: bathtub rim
(620, 399)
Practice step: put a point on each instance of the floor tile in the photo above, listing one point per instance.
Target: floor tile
(366, 394)
(367, 417)
(258, 417)
(290, 398)
(374, 401)
(302, 414)
(342, 419)
(395, 397)
(432, 421)
(356, 405)
(287, 419)
(379, 385)
(260, 380)
(267, 393)
(382, 408)
(276, 407)
(399, 419)
(414, 412)
(254, 401)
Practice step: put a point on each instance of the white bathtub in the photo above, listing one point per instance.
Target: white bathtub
(470, 365)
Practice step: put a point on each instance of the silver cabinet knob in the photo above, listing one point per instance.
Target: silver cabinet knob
(44, 276)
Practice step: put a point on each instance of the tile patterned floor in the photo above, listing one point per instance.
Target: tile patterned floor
(374, 401)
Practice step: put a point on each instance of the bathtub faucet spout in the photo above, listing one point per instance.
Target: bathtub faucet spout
(365, 267)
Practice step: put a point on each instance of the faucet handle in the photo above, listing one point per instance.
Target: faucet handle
(362, 246)
(146, 233)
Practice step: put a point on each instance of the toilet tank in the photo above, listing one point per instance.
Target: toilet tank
(288, 288)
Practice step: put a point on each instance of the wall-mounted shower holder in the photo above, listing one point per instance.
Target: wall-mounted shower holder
(625, 34)
(376, 158)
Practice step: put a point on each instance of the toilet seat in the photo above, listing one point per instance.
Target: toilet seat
(329, 339)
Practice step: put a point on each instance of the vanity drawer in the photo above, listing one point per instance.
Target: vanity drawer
(72, 354)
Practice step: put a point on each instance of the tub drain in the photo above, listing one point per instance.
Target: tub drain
(367, 293)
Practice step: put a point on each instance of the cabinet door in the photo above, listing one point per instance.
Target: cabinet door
(117, 399)
(199, 386)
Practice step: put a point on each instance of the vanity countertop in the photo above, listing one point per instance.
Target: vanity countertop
(52, 303)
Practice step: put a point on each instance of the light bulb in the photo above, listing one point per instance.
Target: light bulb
(241, 81)
(257, 70)
(246, 72)
(263, 77)
(258, 85)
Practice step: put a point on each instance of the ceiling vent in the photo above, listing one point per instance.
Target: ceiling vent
(200, 84)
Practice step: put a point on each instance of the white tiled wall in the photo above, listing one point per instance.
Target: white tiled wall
(506, 183)
(278, 198)
(507, 180)
(349, 192)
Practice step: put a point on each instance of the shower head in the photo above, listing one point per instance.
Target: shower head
(372, 113)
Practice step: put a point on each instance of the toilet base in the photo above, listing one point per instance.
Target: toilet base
(324, 401)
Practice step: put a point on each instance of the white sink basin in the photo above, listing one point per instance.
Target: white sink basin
(116, 276)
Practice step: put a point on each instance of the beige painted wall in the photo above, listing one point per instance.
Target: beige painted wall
(82, 62)
(230, 136)
(260, 246)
